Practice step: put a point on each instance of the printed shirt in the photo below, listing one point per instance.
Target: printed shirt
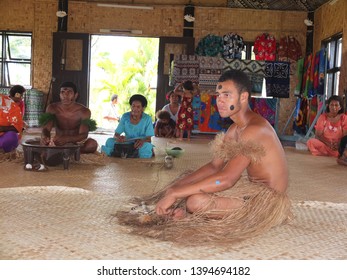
(332, 131)
(10, 113)
(265, 47)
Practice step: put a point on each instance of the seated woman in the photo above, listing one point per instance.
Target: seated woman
(331, 126)
(11, 119)
(174, 105)
(137, 127)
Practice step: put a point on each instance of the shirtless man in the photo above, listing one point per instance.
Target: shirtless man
(239, 194)
(70, 121)
(253, 147)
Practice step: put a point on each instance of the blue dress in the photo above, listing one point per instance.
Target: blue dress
(141, 130)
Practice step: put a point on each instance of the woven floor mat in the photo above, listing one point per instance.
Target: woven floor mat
(56, 222)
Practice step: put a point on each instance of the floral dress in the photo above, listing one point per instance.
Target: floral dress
(331, 131)
(185, 114)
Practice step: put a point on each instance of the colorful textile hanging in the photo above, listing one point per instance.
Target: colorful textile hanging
(321, 72)
(315, 76)
(266, 107)
(186, 67)
(196, 104)
(209, 72)
(215, 119)
(299, 76)
(301, 111)
(205, 111)
(307, 83)
(233, 46)
(255, 70)
(289, 48)
(277, 79)
(210, 45)
(265, 47)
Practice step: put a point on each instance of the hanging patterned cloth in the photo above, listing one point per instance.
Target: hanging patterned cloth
(301, 112)
(210, 45)
(307, 83)
(277, 79)
(233, 46)
(185, 67)
(289, 48)
(266, 107)
(265, 47)
(254, 69)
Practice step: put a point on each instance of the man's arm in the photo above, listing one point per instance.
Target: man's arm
(218, 181)
(211, 178)
(47, 127)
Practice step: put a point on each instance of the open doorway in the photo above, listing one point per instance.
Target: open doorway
(122, 66)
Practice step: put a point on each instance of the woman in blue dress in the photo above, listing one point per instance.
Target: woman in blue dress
(134, 126)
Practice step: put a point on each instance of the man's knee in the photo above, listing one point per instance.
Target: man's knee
(197, 202)
(90, 146)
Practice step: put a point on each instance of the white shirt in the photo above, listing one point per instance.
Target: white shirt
(167, 108)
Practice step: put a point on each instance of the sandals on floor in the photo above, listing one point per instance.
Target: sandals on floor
(35, 167)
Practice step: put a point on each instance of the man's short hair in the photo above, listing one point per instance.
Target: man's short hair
(69, 85)
(16, 89)
(114, 96)
(240, 79)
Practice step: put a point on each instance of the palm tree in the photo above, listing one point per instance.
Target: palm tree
(133, 75)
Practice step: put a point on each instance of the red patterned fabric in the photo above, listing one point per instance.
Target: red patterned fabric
(265, 47)
(10, 113)
(289, 48)
(185, 115)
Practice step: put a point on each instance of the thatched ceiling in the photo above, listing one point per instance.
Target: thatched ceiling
(285, 5)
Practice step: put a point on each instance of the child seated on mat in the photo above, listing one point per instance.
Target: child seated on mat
(165, 126)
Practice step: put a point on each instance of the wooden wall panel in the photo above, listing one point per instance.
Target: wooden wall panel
(39, 17)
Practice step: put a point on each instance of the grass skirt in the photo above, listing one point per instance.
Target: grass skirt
(263, 208)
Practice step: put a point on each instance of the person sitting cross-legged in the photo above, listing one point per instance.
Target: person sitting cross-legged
(134, 128)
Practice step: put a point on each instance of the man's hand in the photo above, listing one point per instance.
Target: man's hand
(45, 140)
(163, 206)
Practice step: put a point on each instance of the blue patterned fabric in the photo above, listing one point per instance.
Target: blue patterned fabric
(210, 45)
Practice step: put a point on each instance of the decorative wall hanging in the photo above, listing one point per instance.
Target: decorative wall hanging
(233, 46)
(265, 47)
(210, 45)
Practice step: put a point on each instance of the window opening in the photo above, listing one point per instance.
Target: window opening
(15, 58)
(333, 47)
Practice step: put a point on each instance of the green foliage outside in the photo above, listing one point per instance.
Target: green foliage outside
(134, 73)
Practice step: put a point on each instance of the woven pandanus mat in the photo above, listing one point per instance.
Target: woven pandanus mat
(57, 222)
